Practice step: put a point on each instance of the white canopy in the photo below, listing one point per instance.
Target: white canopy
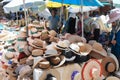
(76, 9)
(15, 5)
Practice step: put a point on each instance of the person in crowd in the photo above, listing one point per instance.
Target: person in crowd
(70, 24)
(95, 33)
(79, 25)
(115, 32)
(87, 25)
(53, 20)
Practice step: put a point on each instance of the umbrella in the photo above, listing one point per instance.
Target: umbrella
(76, 9)
(82, 3)
(116, 3)
(54, 4)
(15, 5)
(45, 13)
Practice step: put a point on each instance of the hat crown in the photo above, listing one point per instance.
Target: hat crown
(97, 46)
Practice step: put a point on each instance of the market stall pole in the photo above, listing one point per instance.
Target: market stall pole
(25, 17)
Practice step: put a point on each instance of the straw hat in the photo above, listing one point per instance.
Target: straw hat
(63, 45)
(108, 65)
(45, 35)
(36, 43)
(37, 52)
(85, 49)
(52, 33)
(91, 70)
(51, 74)
(41, 62)
(98, 51)
(51, 52)
(115, 59)
(114, 15)
(57, 61)
(76, 39)
(75, 48)
(72, 72)
(112, 78)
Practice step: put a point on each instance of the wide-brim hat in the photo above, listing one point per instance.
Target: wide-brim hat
(98, 51)
(114, 15)
(76, 39)
(41, 63)
(115, 59)
(72, 72)
(55, 73)
(36, 43)
(112, 78)
(90, 69)
(37, 60)
(74, 48)
(85, 49)
(108, 65)
(37, 52)
(62, 61)
(63, 45)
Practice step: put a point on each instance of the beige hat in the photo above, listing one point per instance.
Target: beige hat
(74, 48)
(37, 52)
(52, 33)
(58, 60)
(44, 35)
(91, 70)
(112, 78)
(115, 59)
(108, 65)
(72, 72)
(63, 45)
(36, 43)
(41, 62)
(98, 51)
(85, 49)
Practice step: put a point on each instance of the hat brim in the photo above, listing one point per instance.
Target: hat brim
(69, 69)
(115, 59)
(86, 70)
(102, 52)
(61, 48)
(112, 78)
(88, 50)
(104, 62)
(63, 59)
(37, 60)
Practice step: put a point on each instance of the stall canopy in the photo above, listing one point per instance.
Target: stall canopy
(15, 5)
(76, 9)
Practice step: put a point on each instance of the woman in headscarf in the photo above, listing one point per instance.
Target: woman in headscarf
(115, 33)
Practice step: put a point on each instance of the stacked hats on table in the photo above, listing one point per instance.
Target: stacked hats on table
(43, 56)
